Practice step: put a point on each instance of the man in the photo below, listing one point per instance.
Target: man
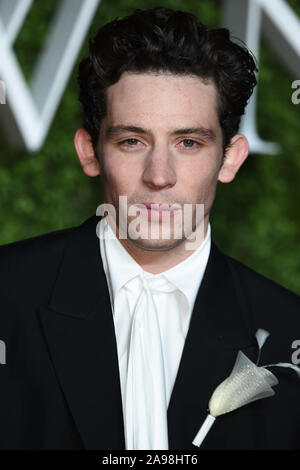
(118, 342)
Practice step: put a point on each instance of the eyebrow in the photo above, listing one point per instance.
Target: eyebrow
(203, 132)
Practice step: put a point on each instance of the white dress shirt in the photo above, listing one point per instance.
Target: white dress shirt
(174, 311)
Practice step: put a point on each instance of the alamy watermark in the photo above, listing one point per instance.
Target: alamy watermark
(2, 92)
(296, 354)
(155, 221)
(296, 94)
(2, 352)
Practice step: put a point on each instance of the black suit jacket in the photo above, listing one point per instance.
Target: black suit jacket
(60, 386)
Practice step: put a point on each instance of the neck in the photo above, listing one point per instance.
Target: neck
(157, 261)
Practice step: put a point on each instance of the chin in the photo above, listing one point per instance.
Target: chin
(156, 245)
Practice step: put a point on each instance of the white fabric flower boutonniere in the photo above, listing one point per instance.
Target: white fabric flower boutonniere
(246, 383)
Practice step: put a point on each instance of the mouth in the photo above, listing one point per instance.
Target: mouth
(159, 206)
(158, 211)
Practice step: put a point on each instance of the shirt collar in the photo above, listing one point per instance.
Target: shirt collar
(120, 267)
(187, 275)
(118, 264)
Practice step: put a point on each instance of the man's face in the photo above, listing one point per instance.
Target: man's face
(160, 142)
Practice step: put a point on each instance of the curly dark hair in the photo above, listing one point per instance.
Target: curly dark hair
(166, 41)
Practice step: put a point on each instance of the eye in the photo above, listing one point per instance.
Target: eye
(190, 143)
(131, 142)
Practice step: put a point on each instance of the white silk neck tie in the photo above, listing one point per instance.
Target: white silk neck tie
(146, 403)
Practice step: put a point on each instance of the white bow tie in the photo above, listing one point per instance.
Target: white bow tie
(146, 403)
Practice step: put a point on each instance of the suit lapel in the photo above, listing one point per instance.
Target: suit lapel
(218, 329)
(79, 330)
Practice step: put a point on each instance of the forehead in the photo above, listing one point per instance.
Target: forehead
(162, 99)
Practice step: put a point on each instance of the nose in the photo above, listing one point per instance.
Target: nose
(159, 172)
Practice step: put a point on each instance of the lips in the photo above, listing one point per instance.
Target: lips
(160, 206)
(157, 211)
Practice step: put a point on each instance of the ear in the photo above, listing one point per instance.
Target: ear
(235, 156)
(86, 154)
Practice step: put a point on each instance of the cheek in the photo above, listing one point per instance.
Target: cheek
(201, 176)
(120, 174)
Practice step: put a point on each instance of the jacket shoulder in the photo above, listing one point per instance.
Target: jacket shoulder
(33, 257)
(32, 249)
(270, 302)
(260, 284)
